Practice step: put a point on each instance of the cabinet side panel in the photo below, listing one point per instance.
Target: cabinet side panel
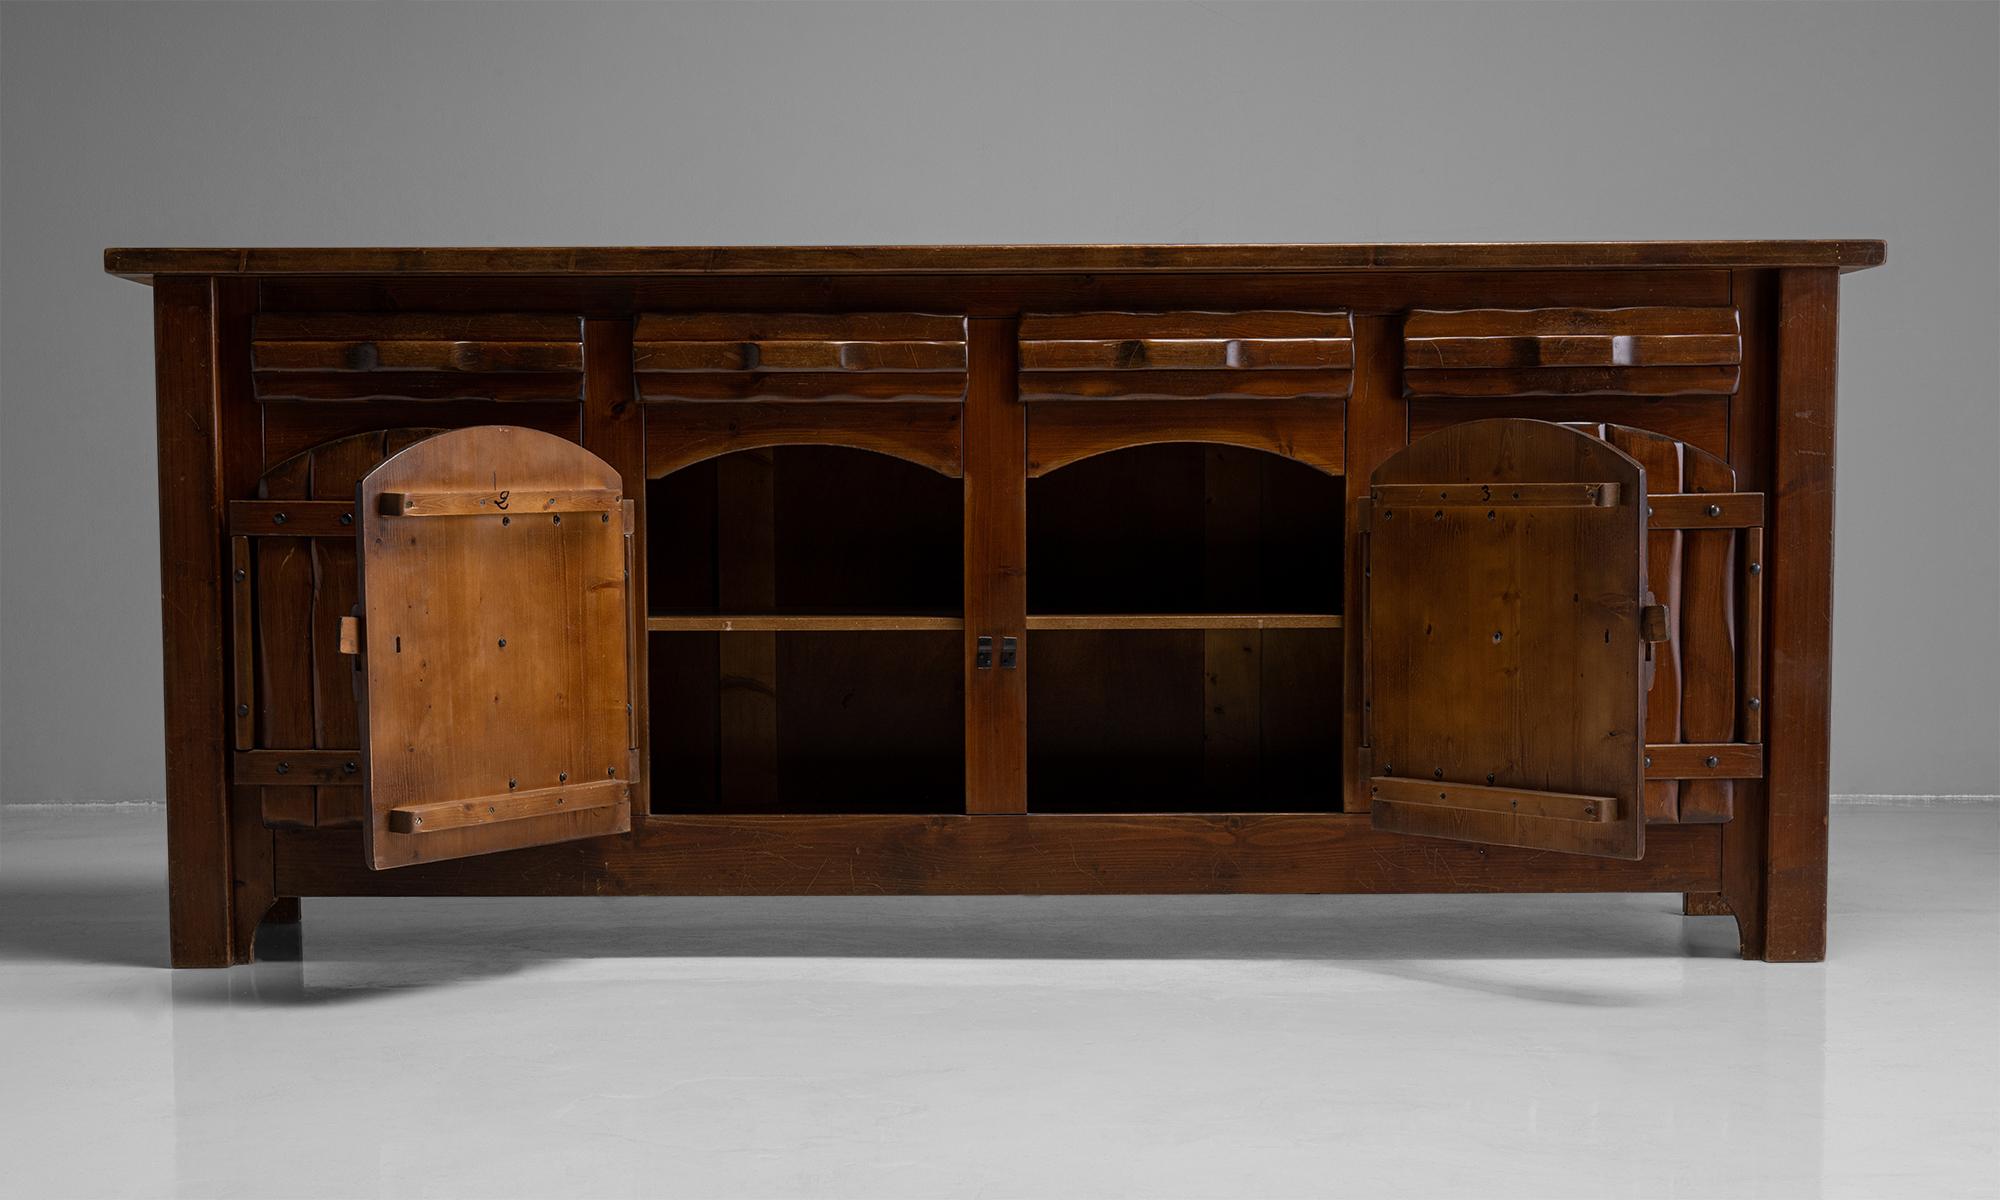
(1801, 608)
(191, 602)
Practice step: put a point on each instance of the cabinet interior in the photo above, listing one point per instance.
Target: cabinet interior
(806, 649)
(804, 646)
(1184, 613)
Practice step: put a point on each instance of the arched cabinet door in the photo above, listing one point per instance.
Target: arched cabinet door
(1506, 619)
(496, 706)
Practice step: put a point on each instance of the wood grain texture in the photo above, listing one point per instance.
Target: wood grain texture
(926, 433)
(416, 356)
(1009, 294)
(239, 425)
(1714, 510)
(1750, 656)
(1749, 451)
(1184, 620)
(1378, 425)
(1700, 421)
(996, 572)
(243, 632)
(1061, 433)
(1503, 645)
(142, 263)
(1653, 351)
(1027, 854)
(750, 357)
(192, 608)
(1708, 639)
(296, 428)
(1661, 458)
(1801, 618)
(284, 588)
(337, 470)
(498, 648)
(1704, 763)
(1186, 355)
(613, 427)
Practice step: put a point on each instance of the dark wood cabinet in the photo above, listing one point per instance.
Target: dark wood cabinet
(1112, 569)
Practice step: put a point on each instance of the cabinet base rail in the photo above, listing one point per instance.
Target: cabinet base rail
(1029, 854)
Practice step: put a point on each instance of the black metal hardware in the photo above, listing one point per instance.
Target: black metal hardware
(982, 657)
(1008, 646)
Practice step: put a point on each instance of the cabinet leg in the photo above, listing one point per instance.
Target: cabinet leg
(1704, 904)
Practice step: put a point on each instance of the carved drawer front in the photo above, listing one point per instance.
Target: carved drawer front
(417, 356)
(1490, 353)
(1187, 356)
(694, 357)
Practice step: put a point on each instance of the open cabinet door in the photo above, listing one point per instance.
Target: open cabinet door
(496, 644)
(1503, 640)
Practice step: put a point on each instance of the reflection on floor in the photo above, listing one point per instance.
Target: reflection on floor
(1242, 1046)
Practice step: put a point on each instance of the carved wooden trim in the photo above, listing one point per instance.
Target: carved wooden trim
(1313, 432)
(694, 357)
(417, 356)
(1571, 351)
(1187, 355)
(923, 432)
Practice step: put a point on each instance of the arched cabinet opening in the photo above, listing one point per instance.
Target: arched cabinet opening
(804, 634)
(1185, 619)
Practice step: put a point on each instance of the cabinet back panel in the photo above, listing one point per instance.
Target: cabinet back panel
(1184, 720)
(855, 722)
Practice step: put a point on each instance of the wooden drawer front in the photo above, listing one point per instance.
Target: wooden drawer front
(1187, 355)
(687, 357)
(417, 356)
(1571, 352)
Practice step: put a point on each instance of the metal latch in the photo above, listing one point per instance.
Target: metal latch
(982, 657)
(1007, 649)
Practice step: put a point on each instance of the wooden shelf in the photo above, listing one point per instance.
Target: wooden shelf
(1184, 621)
(799, 623)
(891, 623)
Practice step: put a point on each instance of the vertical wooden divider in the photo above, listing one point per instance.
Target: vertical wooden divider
(613, 426)
(1378, 425)
(1800, 562)
(1750, 427)
(996, 568)
(240, 455)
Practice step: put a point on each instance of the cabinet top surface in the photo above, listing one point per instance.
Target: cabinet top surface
(145, 263)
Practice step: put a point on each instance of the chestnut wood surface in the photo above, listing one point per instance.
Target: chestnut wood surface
(1192, 649)
(498, 651)
(140, 263)
(1503, 645)
(1019, 854)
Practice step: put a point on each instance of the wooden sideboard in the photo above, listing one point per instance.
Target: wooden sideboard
(1012, 569)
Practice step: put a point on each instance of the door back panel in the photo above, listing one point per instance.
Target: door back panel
(1504, 663)
(496, 705)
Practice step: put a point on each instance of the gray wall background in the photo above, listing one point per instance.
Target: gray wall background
(555, 124)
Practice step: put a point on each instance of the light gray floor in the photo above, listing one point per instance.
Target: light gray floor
(1243, 1046)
